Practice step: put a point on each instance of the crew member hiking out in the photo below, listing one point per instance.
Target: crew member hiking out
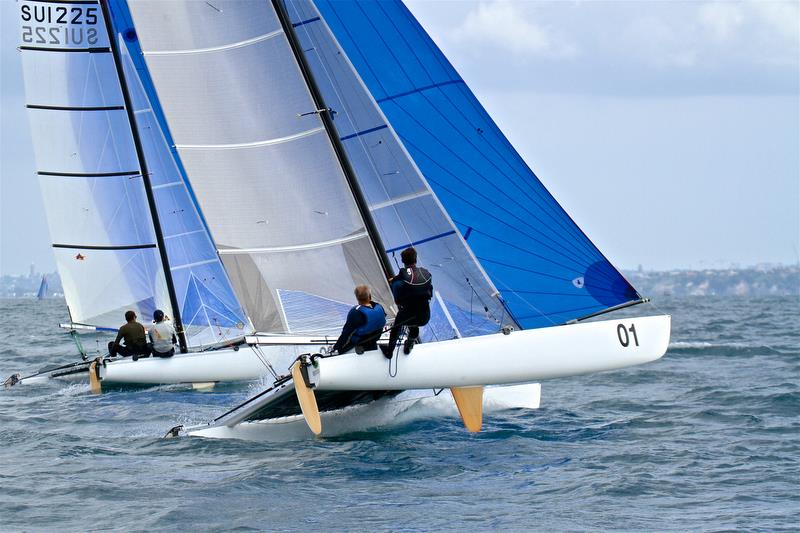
(412, 290)
(364, 324)
(134, 336)
(162, 336)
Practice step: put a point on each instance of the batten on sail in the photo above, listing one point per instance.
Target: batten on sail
(266, 176)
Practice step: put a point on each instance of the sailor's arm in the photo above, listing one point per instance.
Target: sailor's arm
(119, 337)
(354, 320)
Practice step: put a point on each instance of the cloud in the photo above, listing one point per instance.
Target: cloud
(721, 20)
(782, 17)
(507, 26)
(632, 48)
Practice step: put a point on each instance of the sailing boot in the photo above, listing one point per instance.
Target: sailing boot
(387, 353)
(408, 345)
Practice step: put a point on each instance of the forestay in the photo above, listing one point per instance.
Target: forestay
(402, 204)
(91, 181)
(210, 312)
(547, 270)
(259, 161)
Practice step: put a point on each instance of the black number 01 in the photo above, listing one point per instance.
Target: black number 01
(624, 338)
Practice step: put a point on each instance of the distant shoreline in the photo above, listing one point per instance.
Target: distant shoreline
(762, 280)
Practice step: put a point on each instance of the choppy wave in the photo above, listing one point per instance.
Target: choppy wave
(704, 439)
(727, 348)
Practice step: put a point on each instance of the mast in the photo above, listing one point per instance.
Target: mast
(330, 129)
(162, 250)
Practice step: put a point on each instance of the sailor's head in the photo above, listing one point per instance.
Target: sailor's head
(158, 315)
(130, 316)
(363, 294)
(409, 256)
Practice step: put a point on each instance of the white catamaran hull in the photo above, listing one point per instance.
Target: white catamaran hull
(250, 362)
(516, 358)
(202, 367)
(519, 357)
(402, 409)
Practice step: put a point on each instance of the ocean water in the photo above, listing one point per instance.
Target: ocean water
(706, 439)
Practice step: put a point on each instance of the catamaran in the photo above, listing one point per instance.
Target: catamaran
(245, 164)
(427, 167)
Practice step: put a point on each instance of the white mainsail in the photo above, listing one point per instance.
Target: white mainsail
(260, 162)
(90, 177)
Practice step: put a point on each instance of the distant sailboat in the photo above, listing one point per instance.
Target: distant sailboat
(42, 294)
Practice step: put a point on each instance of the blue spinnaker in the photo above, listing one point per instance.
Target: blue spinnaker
(546, 269)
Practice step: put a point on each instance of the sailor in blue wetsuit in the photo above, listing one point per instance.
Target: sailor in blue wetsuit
(364, 324)
(412, 289)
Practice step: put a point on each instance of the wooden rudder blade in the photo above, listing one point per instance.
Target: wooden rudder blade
(94, 380)
(469, 401)
(307, 400)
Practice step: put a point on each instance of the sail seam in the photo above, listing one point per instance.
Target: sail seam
(164, 185)
(419, 90)
(307, 21)
(400, 199)
(364, 132)
(191, 265)
(256, 144)
(421, 241)
(185, 233)
(230, 46)
(298, 247)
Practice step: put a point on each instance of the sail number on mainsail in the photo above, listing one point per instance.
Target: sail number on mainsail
(60, 25)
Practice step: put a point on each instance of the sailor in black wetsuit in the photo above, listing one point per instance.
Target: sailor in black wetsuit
(364, 324)
(412, 289)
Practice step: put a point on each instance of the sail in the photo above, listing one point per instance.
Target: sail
(42, 294)
(209, 309)
(546, 269)
(91, 182)
(259, 160)
(405, 210)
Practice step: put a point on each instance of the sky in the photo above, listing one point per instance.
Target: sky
(670, 131)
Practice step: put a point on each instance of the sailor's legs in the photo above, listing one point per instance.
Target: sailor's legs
(413, 319)
(124, 351)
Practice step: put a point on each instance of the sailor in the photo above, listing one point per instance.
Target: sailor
(134, 336)
(162, 336)
(412, 290)
(364, 324)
